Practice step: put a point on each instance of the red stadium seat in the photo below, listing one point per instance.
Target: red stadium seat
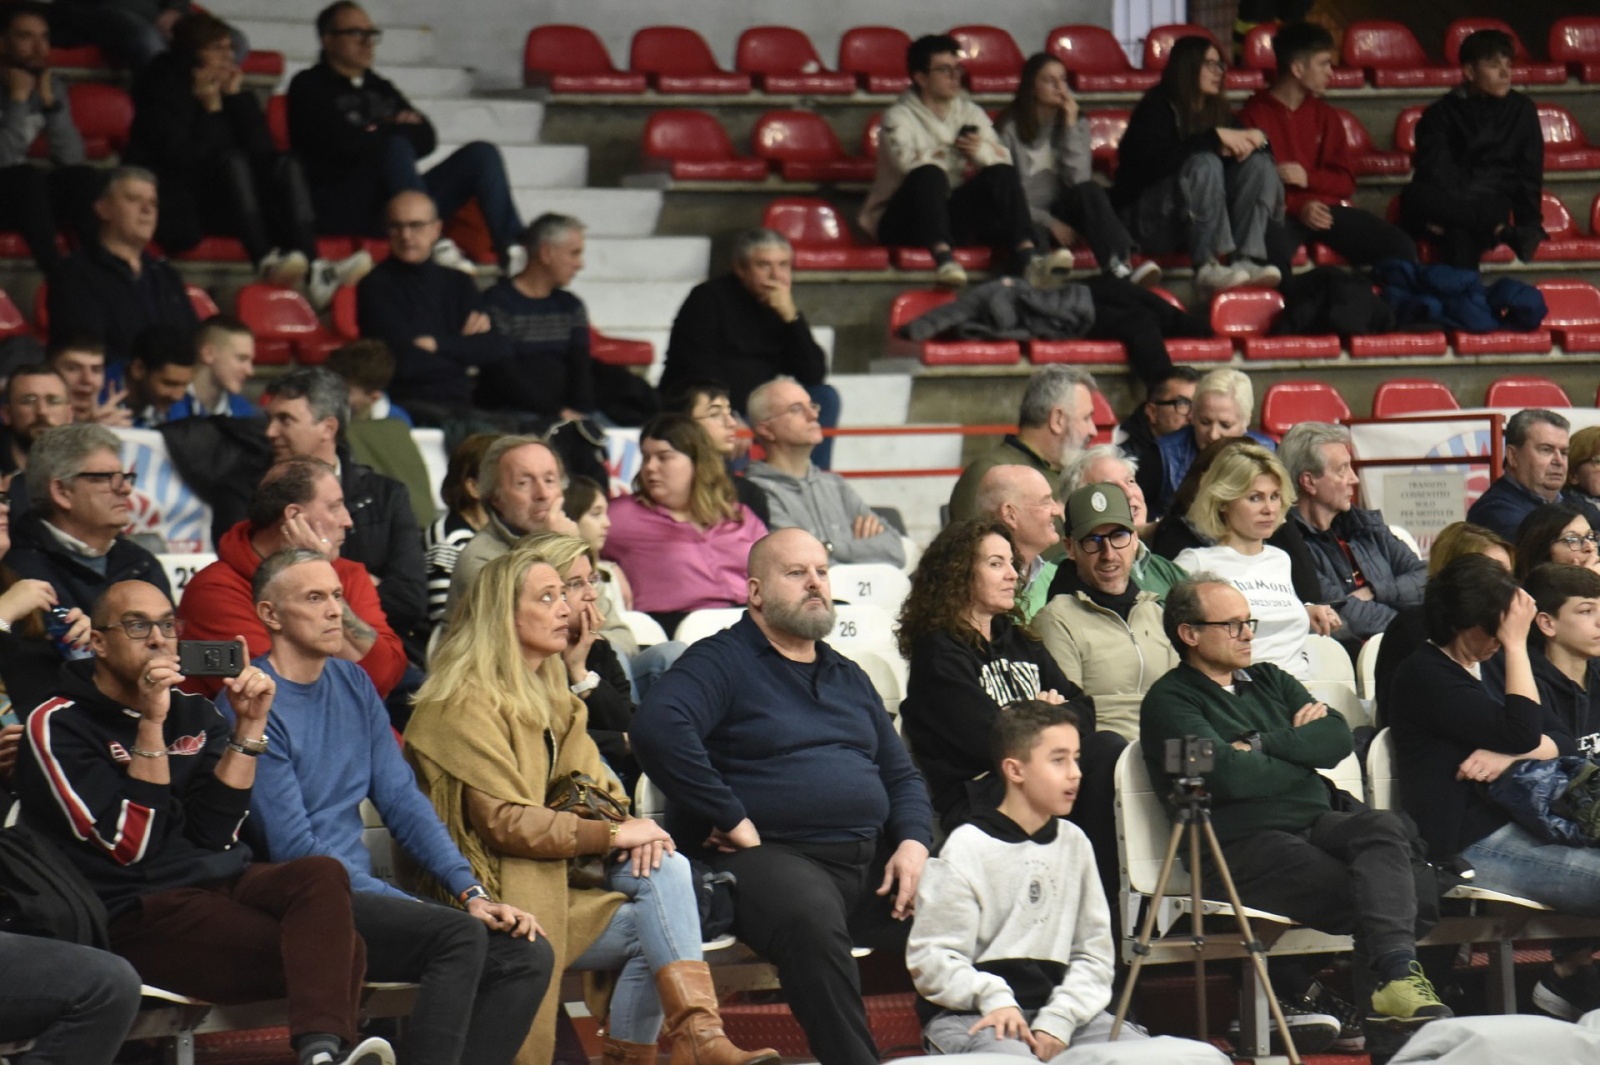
(821, 237)
(11, 321)
(1524, 71)
(1095, 61)
(82, 57)
(922, 259)
(782, 59)
(1288, 403)
(614, 351)
(1514, 391)
(1573, 316)
(1405, 129)
(1392, 58)
(1105, 419)
(1080, 352)
(869, 137)
(992, 59)
(1258, 55)
(343, 315)
(214, 249)
(268, 64)
(1411, 395)
(204, 306)
(693, 146)
(908, 306)
(1195, 349)
(876, 55)
(676, 59)
(1105, 133)
(1565, 147)
(573, 59)
(285, 326)
(1567, 242)
(103, 114)
(1407, 345)
(278, 120)
(1248, 314)
(805, 148)
(1575, 41)
(1364, 158)
(1158, 46)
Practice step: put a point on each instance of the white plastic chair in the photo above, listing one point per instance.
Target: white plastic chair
(1343, 698)
(699, 624)
(876, 583)
(1330, 662)
(375, 836)
(645, 628)
(1410, 541)
(884, 680)
(862, 625)
(1367, 667)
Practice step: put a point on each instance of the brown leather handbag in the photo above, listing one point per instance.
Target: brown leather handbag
(578, 793)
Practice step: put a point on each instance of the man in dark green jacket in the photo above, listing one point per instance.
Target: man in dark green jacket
(1345, 872)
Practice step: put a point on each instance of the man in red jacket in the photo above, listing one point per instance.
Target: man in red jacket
(1313, 154)
(298, 504)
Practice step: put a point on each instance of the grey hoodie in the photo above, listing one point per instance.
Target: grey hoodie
(825, 506)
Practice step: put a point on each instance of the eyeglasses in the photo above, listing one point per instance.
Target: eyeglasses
(114, 479)
(1094, 543)
(800, 410)
(1183, 403)
(139, 628)
(1235, 628)
(1574, 542)
(360, 34)
(1215, 64)
(35, 400)
(577, 585)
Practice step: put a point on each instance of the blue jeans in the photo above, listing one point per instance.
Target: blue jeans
(648, 665)
(473, 171)
(1511, 860)
(75, 1003)
(658, 925)
(826, 397)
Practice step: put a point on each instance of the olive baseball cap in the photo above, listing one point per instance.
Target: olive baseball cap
(1095, 505)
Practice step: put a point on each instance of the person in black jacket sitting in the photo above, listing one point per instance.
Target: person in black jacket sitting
(1479, 162)
(361, 141)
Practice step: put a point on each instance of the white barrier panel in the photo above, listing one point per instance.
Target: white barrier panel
(162, 503)
(430, 442)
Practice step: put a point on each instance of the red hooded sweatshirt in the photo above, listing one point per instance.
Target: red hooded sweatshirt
(1310, 135)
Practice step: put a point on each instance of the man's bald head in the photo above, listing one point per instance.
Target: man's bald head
(790, 596)
(777, 549)
(413, 226)
(129, 597)
(1008, 484)
(1020, 498)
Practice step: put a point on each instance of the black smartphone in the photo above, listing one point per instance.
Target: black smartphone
(966, 130)
(210, 658)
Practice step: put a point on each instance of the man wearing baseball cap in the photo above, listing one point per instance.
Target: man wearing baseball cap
(1102, 629)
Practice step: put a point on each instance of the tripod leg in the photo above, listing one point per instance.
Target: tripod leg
(1251, 943)
(1196, 902)
(1141, 948)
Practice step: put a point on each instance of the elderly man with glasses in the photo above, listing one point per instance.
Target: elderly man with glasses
(80, 500)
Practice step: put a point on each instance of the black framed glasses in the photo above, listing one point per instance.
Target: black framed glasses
(1182, 403)
(1094, 543)
(1235, 628)
(113, 479)
(359, 34)
(139, 628)
(1574, 542)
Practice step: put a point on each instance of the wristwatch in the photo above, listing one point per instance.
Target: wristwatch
(1253, 738)
(588, 684)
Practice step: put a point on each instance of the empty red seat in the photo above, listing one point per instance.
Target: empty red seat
(214, 249)
(1412, 344)
(922, 259)
(693, 146)
(821, 237)
(1522, 392)
(1573, 313)
(278, 120)
(876, 55)
(909, 306)
(1258, 55)
(782, 59)
(103, 114)
(1392, 57)
(1567, 242)
(1105, 419)
(1405, 129)
(81, 57)
(1158, 48)
(1288, 403)
(805, 148)
(267, 64)
(1364, 158)
(344, 313)
(616, 351)
(573, 59)
(676, 59)
(1411, 395)
(1105, 133)
(1080, 352)
(992, 59)
(1575, 41)
(1565, 147)
(1524, 71)
(285, 326)
(1095, 61)
(11, 321)
(1502, 342)
(869, 137)
(1247, 315)
(204, 306)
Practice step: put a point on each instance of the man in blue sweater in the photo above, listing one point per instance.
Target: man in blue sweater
(483, 971)
(775, 750)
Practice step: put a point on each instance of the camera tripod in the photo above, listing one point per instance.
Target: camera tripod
(1193, 818)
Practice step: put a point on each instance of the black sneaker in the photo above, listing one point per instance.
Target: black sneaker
(1568, 997)
(1352, 1033)
(1312, 1032)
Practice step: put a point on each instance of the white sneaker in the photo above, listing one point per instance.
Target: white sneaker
(950, 275)
(1214, 277)
(1262, 275)
(286, 268)
(516, 260)
(1147, 273)
(1050, 271)
(448, 254)
(328, 276)
(371, 1051)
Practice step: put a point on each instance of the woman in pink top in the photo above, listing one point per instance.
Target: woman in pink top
(683, 536)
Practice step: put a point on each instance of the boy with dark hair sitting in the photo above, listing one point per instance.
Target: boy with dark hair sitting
(1313, 154)
(367, 367)
(1479, 163)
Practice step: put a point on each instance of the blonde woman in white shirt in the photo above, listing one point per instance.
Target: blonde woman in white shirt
(1241, 501)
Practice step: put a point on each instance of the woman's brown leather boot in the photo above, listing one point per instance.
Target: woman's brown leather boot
(616, 1052)
(689, 1000)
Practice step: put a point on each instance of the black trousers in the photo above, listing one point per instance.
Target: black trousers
(1360, 236)
(1469, 218)
(1143, 322)
(480, 988)
(38, 202)
(264, 202)
(802, 907)
(988, 209)
(1086, 208)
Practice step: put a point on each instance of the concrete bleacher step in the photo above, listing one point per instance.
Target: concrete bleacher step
(658, 338)
(297, 40)
(607, 212)
(922, 451)
(872, 399)
(501, 121)
(414, 81)
(534, 166)
(646, 259)
(615, 306)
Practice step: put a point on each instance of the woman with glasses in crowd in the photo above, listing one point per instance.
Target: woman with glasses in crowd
(1556, 532)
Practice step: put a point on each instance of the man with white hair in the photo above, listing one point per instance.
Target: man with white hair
(1367, 573)
(785, 420)
(1106, 464)
(1021, 499)
(1055, 420)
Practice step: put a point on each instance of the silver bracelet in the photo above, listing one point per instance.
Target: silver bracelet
(148, 754)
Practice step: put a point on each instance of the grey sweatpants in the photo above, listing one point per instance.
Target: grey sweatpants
(1211, 207)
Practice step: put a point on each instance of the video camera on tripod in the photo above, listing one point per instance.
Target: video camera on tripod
(1190, 756)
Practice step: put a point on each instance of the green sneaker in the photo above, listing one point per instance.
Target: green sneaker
(1408, 1000)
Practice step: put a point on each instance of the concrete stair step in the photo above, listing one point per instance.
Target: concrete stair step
(872, 398)
(297, 39)
(607, 213)
(534, 166)
(657, 338)
(502, 122)
(630, 307)
(414, 81)
(918, 452)
(646, 258)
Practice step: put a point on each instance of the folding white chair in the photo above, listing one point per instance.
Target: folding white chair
(699, 624)
(877, 583)
(1343, 698)
(1367, 667)
(646, 630)
(1330, 661)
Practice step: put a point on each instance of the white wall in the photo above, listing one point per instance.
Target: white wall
(488, 35)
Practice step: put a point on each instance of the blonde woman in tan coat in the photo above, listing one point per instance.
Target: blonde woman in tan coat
(495, 727)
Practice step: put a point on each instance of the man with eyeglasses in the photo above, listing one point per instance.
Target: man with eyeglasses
(80, 500)
(1367, 574)
(1102, 629)
(1165, 410)
(707, 402)
(1344, 871)
(1106, 464)
(145, 788)
(1535, 473)
(361, 141)
(36, 400)
(785, 420)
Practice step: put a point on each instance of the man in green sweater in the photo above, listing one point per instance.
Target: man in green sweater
(1341, 871)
